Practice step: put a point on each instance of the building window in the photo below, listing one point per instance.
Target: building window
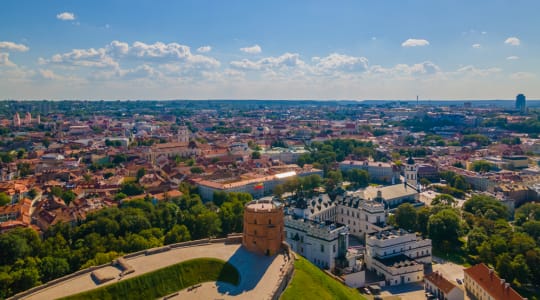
(255, 232)
(334, 248)
(322, 248)
(270, 221)
(255, 221)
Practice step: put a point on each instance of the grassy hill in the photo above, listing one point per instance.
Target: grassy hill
(166, 281)
(309, 282)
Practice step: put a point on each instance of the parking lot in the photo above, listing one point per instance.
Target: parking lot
(450, 271)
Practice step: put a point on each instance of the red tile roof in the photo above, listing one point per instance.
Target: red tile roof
(439, 281)
(491, 283)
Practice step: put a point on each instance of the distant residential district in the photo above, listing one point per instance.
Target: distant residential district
(379, 195)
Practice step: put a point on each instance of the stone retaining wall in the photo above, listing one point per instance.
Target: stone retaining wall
(231, 239)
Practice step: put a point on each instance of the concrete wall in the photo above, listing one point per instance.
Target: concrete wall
(231, 239)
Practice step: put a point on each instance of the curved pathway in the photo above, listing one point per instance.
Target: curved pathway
(259, 275)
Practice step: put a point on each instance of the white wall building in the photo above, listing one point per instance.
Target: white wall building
(379, 171)
(441, 288)
(319, 242)
(362, 216)
(397, 255)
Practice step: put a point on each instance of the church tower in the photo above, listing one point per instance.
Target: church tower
(183, 135)
(411, 173)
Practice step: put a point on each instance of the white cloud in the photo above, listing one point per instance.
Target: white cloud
(252, 50)
(143, 71)
(484, 32)
(287, 60)
(4, 60)
(82, 57)
(513, 57)
(66, 16)
(48, 74)
(10, 46)
(512, 41)
(406, 71)
(415, 43)
(340, 62)
(118, 48)
(476, 46)
(204, 49)
(522, 75)
(160, 50)
(113, 53)
(472, 70)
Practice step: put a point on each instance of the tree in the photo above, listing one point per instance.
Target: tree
(482, 166)
(443, 199)
(527, 212)
(24, 169)
(444, 226)
(196, 170)
(424, 181)
(256, 155)
(422, 219)
(68, 196)
(475, 238)
(360, 178)
(120, 196)
(32, 193)
(504, 267)
(4, 199)
(532, 228)
(140, 173)
(131, 189)
(520, 269)
(406, 217)
(57, 191)
(178, 233)
(480, 204)
(53, 267)
(460, 183)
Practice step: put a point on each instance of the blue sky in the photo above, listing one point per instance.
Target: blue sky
(75, 49)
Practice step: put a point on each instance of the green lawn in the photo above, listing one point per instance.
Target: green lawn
(166, 281)
(309, 282)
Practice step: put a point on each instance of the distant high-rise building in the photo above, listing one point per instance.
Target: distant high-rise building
(16, 120)
(28, 118)
(521, 104)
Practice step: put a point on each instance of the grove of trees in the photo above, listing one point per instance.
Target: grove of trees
(27, 260)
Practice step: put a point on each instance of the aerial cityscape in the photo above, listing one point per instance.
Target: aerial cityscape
(284, 150)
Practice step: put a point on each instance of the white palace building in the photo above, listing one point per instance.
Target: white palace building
(397, 255)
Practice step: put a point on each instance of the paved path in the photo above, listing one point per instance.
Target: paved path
(259, 275)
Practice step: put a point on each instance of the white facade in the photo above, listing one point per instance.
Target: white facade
(379, 171)
(397, 255)
(411, 173)
(362, 216)
(258, 187)
(318, 242)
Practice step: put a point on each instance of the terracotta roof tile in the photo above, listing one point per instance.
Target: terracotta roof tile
(439, 281)
(491, 283)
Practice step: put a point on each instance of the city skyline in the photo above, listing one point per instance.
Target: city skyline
(282, 50)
